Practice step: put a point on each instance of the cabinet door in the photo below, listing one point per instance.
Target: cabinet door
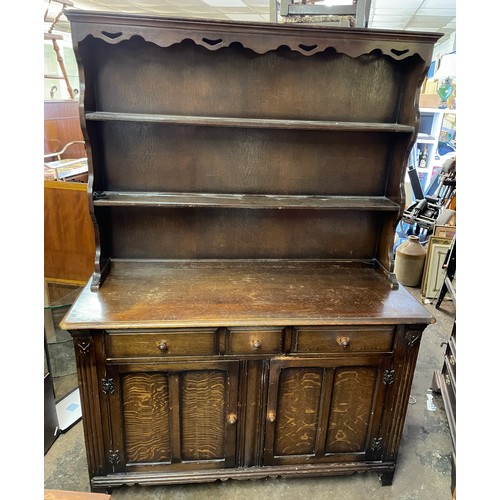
(324, 410)
(172, 414)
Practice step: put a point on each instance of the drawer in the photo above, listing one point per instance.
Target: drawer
(325, 339)
(147, 343)
(255, 341)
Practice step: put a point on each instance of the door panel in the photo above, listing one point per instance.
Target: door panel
(146, 417)
(352, 401)
(297, 420)
(171, 414)
(203, 415)
(323, 410)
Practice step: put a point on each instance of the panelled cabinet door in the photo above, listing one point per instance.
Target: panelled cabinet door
(324, 410)
(170, 415)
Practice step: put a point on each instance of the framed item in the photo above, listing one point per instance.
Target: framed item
(434, 274)
(445, 231)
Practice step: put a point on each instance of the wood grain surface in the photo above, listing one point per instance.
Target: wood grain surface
(297, 416)
(146, 417)
(351, 409)
(203, 415)
(232, 292)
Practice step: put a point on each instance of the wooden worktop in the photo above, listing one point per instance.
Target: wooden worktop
(235, 292)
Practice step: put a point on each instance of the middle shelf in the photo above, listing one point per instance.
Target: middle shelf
(249, 122)
(252, 201)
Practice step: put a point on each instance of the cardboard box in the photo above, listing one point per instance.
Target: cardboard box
(429, 101)
(430, 86)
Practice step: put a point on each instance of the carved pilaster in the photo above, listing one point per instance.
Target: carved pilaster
(90, 388)
(406, 346)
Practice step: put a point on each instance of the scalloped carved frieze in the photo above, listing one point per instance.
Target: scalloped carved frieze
(258, 38)
(255, 43)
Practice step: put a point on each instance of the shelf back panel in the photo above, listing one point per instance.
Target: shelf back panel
(194, 233)
(187, 79)
(242, 160)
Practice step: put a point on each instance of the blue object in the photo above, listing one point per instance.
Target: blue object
(72, 407)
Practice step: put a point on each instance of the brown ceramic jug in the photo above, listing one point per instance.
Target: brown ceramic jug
(409, 263)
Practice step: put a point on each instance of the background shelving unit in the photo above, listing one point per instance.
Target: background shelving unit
(430, 133)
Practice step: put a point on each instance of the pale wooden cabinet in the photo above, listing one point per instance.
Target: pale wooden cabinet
(243, 319)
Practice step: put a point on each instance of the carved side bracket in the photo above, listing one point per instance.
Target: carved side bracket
(108, 386)
(83, 345)
(376, 444)
(388, 377)
(375, 450)
(413, 337)
(114, 457)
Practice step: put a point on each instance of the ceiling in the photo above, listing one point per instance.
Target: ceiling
(412, 15)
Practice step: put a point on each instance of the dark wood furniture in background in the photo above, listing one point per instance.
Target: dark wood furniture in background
(243, 319)
(445, 383)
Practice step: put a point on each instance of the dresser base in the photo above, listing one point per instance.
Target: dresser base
(385, 471)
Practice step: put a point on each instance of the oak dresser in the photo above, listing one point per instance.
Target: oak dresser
(245, 180)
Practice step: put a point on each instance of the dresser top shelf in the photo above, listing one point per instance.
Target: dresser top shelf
(214, 35)
(214, 293)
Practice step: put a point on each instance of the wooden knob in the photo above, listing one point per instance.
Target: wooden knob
(256, 344)
(163, 346)
(343, 341)
(231, 418)
(271, 416)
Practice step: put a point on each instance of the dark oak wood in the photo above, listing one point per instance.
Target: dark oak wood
(245, 180)
(241, 292)
(255, 201)
(249, 122)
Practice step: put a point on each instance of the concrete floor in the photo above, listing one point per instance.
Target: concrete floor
(423, 469)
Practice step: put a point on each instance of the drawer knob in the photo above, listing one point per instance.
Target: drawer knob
(231, 418)
(271, 416)
(256, 344)
(163, 346)
(343, 341)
